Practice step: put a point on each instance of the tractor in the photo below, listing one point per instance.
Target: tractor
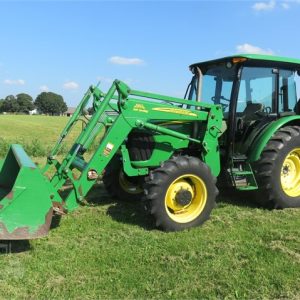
(237, 126)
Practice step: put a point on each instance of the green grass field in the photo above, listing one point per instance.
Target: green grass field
(37, 134)
(111, 249)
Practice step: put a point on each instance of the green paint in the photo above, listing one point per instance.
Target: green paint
(263, 138)
(163, 117)
(253, 57)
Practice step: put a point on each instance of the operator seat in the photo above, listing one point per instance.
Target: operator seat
(251, 108)
(297, 108)
(247, 118)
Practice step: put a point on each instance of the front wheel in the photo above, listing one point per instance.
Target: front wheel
(278, 170)
(119, 185)
(181, 193)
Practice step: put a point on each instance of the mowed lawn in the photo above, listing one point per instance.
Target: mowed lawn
(109, 249)
(36, 133)
(44, 128)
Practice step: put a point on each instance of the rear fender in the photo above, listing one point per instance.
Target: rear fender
(265, 135)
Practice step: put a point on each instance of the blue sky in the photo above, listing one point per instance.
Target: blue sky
(65, 46)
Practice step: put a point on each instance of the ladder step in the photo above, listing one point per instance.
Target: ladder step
(238, 173)
(241, 158)
(247, 188)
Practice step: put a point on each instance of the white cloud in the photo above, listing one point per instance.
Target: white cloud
(44, 88)
(264, 6)
(250, 49)
(285, 5)
(71, 85)
(14, 82)
(118, 60)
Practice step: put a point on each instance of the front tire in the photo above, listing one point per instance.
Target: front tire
(181, 193)
(278, 170)
(119, 185)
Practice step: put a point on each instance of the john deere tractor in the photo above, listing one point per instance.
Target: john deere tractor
(239, 123)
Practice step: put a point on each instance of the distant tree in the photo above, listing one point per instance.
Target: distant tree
(25, 103)
(1, 104)
(50, 103)
(10, 104)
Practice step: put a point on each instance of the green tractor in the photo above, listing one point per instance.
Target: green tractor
(239, 123)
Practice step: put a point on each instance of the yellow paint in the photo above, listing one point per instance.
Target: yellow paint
(140, 108)
(189, 212)
(178, 111)
(290, 174)
(128, 186)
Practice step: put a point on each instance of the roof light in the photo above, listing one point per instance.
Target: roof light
(237, 60)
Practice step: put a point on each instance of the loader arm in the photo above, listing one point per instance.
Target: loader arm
(116, 114)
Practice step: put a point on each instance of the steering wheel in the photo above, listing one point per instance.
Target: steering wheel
(221, 98)
(265, 111)
(224, 105)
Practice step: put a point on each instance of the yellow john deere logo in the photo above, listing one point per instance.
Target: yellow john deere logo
(178, 111)
(140, 107)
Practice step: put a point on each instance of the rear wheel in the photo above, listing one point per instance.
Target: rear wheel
(278, 170)
(181, 193)
(118, 184)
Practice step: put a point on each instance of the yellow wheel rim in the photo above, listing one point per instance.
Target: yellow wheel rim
(128, 186)
(290, 174)
(186, 198)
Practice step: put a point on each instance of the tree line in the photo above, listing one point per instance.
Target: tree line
(46, 103)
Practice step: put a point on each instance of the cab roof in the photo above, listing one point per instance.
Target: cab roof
(277, 60)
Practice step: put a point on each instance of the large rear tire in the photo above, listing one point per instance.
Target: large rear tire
(119, 185)
(181, 193)
(278, 170)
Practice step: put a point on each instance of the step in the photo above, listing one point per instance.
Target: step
(241, 158)
(239, 173)
(246, 188)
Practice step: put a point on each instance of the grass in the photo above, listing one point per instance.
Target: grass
(111, 249)
(37, 134)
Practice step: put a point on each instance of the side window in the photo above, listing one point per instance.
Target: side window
(287, 91)
(257, 86)
(217, 91)
(208, 88)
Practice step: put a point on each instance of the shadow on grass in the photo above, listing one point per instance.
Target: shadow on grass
(125, 212)
(238, 198)
(134, 213)
(19, 246)
(131, 213)
(8, 247)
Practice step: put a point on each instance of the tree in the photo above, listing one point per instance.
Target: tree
(10, 104)
(25, 103)
(50, 103)
(1, 104)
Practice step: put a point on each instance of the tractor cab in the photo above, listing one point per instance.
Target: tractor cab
(253, 91)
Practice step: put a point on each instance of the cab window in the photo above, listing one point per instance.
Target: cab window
(287, 91)
(257, 87)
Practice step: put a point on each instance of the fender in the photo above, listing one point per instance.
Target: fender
(263, 138)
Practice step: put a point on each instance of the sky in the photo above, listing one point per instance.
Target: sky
(65, 46)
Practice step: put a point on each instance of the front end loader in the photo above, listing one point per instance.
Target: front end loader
(237, 127)
(135, 133)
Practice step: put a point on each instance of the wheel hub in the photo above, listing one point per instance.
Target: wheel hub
(183, 197)
(290, 174)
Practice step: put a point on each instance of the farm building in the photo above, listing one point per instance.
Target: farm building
(70, 111)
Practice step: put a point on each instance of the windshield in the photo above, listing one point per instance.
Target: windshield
(217, 84)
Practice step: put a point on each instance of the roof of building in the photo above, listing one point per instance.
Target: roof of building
(71, 110)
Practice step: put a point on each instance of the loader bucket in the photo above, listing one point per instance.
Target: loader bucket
(26, 197)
